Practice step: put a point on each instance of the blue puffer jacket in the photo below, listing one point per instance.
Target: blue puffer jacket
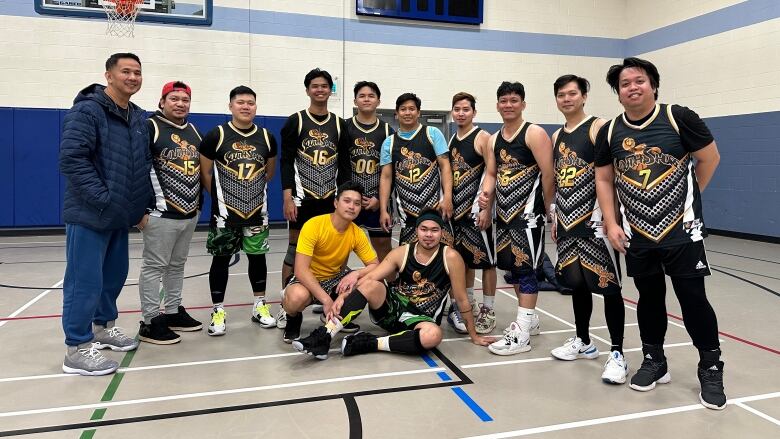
(106, 161)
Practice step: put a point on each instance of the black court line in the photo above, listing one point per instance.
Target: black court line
(355, 423)
(742, 256)
(757, 285)
(746, 272)
(234, 408)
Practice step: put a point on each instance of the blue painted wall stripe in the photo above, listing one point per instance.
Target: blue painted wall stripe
(723, 20)
(263, 22)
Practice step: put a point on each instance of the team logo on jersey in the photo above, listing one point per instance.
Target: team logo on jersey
(520, 256)
(184, 150)
(318, 138)
(475, 251)
(243, 146)
(507, 158)
(605, 276)
(364, 143)
(421, 292)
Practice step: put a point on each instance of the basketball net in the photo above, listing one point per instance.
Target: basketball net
(121, 16)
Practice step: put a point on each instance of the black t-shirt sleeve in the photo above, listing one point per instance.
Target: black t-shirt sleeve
(150, 129)
(272, 148)
(694, 134)
(345, 167)
(289, 151)
(208, 146)
(603, 155)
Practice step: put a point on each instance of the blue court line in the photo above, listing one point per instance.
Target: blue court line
(470, 403)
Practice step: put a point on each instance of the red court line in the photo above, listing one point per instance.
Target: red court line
(725, 334)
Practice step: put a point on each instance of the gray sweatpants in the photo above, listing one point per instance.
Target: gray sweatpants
(166, 245)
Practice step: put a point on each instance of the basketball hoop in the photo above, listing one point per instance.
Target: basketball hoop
(121, 16)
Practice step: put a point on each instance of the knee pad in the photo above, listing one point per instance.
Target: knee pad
(527, 282)
(289, 258)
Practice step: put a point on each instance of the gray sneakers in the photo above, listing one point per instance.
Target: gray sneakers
(85, 359)
(113, 338)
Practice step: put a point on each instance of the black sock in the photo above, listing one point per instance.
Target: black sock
(615, 314)
(407, 342)
(582, 303)
(353, 306)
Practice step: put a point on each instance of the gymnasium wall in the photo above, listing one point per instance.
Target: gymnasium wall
(270, 45)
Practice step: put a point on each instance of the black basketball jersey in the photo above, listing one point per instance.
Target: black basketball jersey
(316, 162)
(238, 189)
(576, 208)
(365, 145)
(175, 169)
(416, 173)
(655, 181)
(425, 285)
(519, 197)
(467, 174)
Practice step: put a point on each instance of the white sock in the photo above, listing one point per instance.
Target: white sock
(524, 316)
(470, 294)
(259, 300)
(383, 343)
(489, 301)
(217, 306)
(334, 326)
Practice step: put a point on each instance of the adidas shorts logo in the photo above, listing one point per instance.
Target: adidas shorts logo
(701, 265)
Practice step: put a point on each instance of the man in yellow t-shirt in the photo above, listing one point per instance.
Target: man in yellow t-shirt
(324, 245)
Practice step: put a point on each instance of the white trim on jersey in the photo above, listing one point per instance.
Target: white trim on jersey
(406, 256)
(529, 206)
(221, 206)
(537, 252)
(490, 250)
(613, 257)
(688, 213)
(159, 196)
(299, 194)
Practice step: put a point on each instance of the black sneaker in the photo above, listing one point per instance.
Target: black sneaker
(712, 395)
(349, 328)
(360, 343)
(316, 344)
(181, 321)
(157, 332)
(653, 370)
(293, 328)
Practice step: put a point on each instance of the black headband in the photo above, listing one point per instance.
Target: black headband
(430, 215)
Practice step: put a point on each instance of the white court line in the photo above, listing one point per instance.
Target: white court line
(217, 392)
(758, 413)
(130, 239)
(618, 418)
(534, 360)
(556, 331)
(31, 302)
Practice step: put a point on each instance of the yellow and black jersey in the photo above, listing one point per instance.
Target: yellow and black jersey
(175, 172)
(519, 197)
(238, 188)
(365, 144)
(468, 171)
(655, 179)
(576, 208)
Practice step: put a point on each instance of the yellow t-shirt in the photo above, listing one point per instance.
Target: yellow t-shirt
(330, 249)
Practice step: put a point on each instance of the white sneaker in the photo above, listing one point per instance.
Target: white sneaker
(515, 341)
(457, 322)
(474, 308)
(535, 329)
(281, 319)
(485, 322)
(574, 349)
(615, 369)
(261, 314)
(217, 325)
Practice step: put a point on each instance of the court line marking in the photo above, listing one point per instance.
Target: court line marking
(218, 392)
(758, 413)
(32, 302)
(459, 392)
(617, 418)
(554, 331)
(550, 358)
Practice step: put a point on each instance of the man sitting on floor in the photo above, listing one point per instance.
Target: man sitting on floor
(411, 308)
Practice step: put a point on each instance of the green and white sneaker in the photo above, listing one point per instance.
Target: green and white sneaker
(217, 325)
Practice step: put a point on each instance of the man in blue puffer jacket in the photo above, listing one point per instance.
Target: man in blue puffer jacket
(104, 156)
